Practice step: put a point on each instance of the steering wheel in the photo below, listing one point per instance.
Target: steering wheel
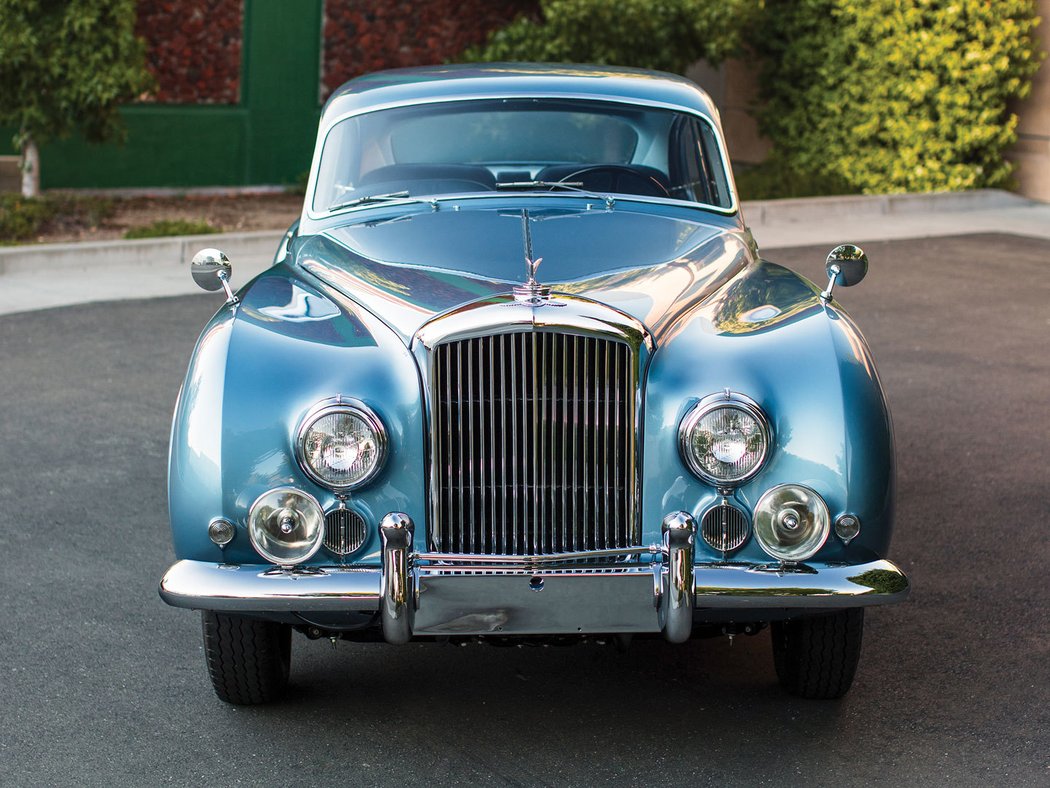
(616, 178)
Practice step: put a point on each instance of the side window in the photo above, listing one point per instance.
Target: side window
(697, 172)
(716, 168)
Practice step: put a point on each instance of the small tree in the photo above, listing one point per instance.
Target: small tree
(64, 67)
(661, 34)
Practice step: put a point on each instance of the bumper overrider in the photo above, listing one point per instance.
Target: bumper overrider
(644, 589)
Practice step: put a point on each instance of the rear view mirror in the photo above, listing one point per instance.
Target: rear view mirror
(846, 265)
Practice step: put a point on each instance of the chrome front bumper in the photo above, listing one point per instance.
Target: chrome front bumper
(429, 594)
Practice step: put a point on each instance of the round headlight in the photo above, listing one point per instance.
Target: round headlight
(286, 525)
(341, 446)
(791, 522)
(724, 439)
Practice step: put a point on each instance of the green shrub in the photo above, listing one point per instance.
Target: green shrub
(895, 95)
(165, 227)
(21, 218)
(658, 34)
(773, 180)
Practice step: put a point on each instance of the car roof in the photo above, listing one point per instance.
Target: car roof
(451, 82)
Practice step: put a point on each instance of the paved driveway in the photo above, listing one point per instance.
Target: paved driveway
(104, 685)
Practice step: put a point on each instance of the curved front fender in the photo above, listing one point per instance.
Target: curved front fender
(767, 335)
(257, 369)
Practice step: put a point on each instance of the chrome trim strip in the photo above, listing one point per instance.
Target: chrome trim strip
(205, 585)
(537, 560)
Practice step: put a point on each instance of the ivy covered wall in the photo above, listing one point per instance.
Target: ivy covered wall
(366, 35)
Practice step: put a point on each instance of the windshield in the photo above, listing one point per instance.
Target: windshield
(520, 145)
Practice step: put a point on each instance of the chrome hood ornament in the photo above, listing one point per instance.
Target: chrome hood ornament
(532, 292)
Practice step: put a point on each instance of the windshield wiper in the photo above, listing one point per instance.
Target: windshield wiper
(540, 185)
(369, 198)
(574, 186)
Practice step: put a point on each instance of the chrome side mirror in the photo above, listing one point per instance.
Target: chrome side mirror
(211, 270)
(846, 265)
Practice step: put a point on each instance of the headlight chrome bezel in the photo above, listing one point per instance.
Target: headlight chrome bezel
(357, 409)
(723, 399)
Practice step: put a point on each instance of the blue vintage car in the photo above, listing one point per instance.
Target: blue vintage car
(519, 372)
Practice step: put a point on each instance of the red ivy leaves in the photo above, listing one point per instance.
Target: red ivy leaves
(365, 35)
(193, 49)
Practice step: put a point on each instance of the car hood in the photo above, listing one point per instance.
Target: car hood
(409, 269)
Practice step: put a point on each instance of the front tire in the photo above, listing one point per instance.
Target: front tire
(248, 660)
(816, 657)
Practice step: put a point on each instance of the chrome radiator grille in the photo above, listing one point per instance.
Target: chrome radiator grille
(533, 444)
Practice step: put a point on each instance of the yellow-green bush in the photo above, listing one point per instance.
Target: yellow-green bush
(659, 34)
(895, 95)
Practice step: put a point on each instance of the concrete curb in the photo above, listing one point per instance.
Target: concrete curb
(173, 250)
(864, 205)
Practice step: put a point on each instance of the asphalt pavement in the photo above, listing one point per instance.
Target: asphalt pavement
(105, 685)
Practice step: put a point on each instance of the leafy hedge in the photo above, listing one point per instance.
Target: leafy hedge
(896, 95)
(660, 34)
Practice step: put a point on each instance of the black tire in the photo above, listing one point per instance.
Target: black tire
(248, 660)
(816, 657)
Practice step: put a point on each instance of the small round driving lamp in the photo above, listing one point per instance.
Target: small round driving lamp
(341, 445)
(286, 526)
(725, 439)
(791, 522)
(221, 531)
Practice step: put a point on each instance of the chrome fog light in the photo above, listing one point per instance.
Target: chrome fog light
(286, 525)
(791, 522)
(724, 439)
(341, 444)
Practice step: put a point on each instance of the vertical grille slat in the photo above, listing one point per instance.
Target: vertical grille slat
(533, 444)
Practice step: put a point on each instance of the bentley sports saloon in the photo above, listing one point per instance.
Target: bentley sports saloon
(519, 374)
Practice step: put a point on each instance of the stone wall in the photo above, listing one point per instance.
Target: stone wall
(734, 89)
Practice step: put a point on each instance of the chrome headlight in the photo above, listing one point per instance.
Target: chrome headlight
(724, 439)
(341, 444)
(791, 522)
(286, 525)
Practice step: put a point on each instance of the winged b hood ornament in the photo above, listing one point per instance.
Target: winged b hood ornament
(532, 292)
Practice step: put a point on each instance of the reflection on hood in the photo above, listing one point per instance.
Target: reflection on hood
(410, 269)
